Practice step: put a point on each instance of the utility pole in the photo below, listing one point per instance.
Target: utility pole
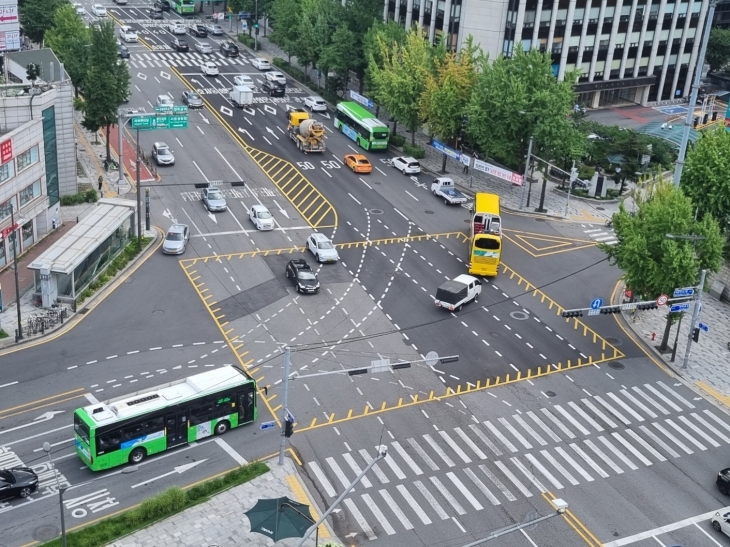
(285, 402)
(695, 316)
(525, 179)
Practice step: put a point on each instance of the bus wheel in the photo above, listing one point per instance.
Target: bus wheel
(221, 427)
(137, 455)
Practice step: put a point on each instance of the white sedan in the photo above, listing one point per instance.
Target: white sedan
(209, 68)
(261, 217)
(176, 28)
(127, 34)
(406, 165)
(261, 64)
(721, 521)
(242, 79)
(203, 47)
(315, 104)
(98, 10)
(80, 10)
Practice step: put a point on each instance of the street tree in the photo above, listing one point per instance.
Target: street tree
(37, 16)
(287, 17)
(718, 49)
(448, 90)
(653, 264)
(341, 56)
(361, 16)
(390, 33)
(69, 39)
(401, 79)
(319, 20)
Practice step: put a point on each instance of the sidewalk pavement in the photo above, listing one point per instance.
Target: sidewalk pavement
(221, 522)
(130, 157)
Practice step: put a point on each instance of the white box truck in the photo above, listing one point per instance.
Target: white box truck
(241, 95)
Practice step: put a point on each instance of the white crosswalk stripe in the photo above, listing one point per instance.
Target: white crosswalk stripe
(586, 458)
(558, 423)
(431, 500)
(638, 403)
(528, 474)
(574, 464)
(380, 517)
(712, 428)
(549, 432)
(527, 427)
(557, 465)
(672, 438)
(664, 446)
(675, 395)
(661, 396)
(394, 467)
(651, 401)
(498, 434)
(638, 455)
(718, 420)
(616, 452)
(697, 430)
(410, 500)
(356, 469)
(598, 412)
(686, 435)
(612, 410)
(549, 476)
(338, 472)
(631, 433)
(421, 452)
(598, 452)
(455, 447)
(376, 469)
(498, 483)
(482, 437)
(602, 235)
(464, 491)
(390, 502)
(638, 417)
(471, 444)
(481, 486)
(516, 434)
(582, 413)
(441, 489)
(403, 454)
(436, 448)
(572, 420)
(355, 512)
(512, 477)
(322, 478)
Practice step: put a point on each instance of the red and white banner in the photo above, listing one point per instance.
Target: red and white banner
(499, 172)
(6, 151)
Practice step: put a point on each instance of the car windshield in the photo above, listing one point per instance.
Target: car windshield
(263, 214)
(174, 236)
(163, 152)
(324, 245)
(215, 194)
(306, 276)
(193, 96)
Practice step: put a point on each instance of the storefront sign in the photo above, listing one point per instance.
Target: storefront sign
(9, 230)
(6, 151)
(504, 174)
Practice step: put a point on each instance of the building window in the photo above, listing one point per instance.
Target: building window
(28, 233)
(51, 155)
(5, 209)
(7, 171)
(27, 158)
(29, 193)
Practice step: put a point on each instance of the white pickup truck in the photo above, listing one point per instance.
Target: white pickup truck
(461, 290)
(443, 187)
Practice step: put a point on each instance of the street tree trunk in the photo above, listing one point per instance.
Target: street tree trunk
(665, 338)
(443, 163)
(108, 146)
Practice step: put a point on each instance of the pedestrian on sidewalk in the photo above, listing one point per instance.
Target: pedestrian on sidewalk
(101, 182)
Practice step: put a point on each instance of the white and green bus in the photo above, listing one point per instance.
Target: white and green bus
(183, 7)
(361, 126)
(128, 429)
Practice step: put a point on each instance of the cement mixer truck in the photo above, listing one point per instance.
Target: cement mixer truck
(305, 131)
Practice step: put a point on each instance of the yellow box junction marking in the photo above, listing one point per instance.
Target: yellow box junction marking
(539, 245)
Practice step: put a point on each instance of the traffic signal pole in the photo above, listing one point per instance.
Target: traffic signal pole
(284, 403)
(695, 314)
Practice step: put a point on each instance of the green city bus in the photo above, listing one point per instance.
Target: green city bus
(361, 126)
(127, 429)
(183, 6)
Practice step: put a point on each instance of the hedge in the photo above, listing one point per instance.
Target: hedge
(249, 41)
(414, 150)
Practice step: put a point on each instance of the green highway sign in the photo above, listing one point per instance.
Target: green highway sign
(144, 122)
(181, 109)
(172, 122)
(160, 121)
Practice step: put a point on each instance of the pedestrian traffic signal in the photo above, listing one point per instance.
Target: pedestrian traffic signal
(572, 313)
(647, 306)
(288, 428)
(608, 310)
(696, 334)
(256, 27)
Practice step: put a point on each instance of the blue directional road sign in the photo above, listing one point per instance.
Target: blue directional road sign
(679, 307)
(687, 291)
(597, 303)
(268, 425)
(704, 327)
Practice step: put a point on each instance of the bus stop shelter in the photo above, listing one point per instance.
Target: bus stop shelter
(75, 260)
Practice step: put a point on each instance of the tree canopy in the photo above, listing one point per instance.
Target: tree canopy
(718, 49)
(37, 16)
(70, 40)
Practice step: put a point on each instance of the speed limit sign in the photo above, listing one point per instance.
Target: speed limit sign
(662, 300)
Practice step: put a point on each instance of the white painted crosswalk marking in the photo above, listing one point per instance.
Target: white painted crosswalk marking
(443, 455)
(384, 524)
(413, 504)
(356, 469)
(638, 403)
(481, 486)
(557, 465)
(394, 466)
(498, 483)
(574, 464)
(672, 438)
(511, 476)
(396, 510)
(360, 519)
(431, 500)
(501, 438)
(697, 430)
(516, 434)
(421, 452)
(378, 473)
(661, 396)
(719, 434)
(549, 476)
(583, 414)
(455, 447)
(598, 412)
(716, 419)
(558, 423)
(598, 452)
(486, 440)
(572, 420)
(638, 417)
(586, 458)
(464, 491)
(649, 448)
(338, 472)
(471, 444)
(529, 474)
(628, 446)
(441, 489)
(322, 478)
(668, 449)
(403, 454)
(527, 427)
(549, 432)
(686, 435)
(612, 410)
(676, 395)
(616, 452)
(651, 401)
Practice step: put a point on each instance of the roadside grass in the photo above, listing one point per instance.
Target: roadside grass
(159, 507)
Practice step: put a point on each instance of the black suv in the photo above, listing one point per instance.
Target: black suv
(198, 30)
(122, 51)
(179, 45)
(155, 13)
(723, 482)
(301, 274)
(274, 89)
(229, 49)
(164, 5)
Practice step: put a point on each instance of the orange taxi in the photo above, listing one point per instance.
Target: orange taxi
(358, 163)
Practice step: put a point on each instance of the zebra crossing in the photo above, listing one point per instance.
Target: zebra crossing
(602, 235)
(182, 60)
(450, 472)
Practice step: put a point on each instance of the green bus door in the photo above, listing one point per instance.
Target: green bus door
(176, 426)
(245, 407)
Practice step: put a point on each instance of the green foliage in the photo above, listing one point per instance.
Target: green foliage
(706, 176)
(90, 196)
(586, 172)
(340, 55)
(718, 49)
(298, 75)
(69, 38)
(287, 14)
(414, 150)
(36, 17)
(319, 18)
(250, 42)
(397, 140)
(390, 33)
(163, 505)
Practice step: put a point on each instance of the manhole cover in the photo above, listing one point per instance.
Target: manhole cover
(600, 208)
(618, 365)
(46, 532)
(541, 219)
(376, 182)
(519, 315)
(614, 341)
(494, 334)
(428, 212)
(549, 393)
(158, 312)
(376, 211)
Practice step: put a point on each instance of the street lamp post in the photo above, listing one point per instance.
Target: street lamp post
(526, 179)
(19, 336)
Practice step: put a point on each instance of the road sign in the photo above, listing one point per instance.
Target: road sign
(629, 306)
(163, 108)
(662, 300)
(267, 425)
(144, 122)
(687, 291)
(704, 327)
(244, 26)
(679, 307)
(432, 358)
(242, 16)
(597, 303)
(180, 109)
(594, 312)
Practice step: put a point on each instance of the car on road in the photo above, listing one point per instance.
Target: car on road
(322, 248)
(122, 51)
(179, 44)
(273, 89)
(315, 104)
(209, 68)
(162, 154)
(214, 29)
(198, 31)
(155, 13)
(261, 217)
(162, 5)
(300, 273)
(98, 10)
(721, 521)
(80, 10)
(229, 49)
(723, 481)
(406, 165)
(276, 77)
(176, 28)
(18, 482)
(192, 99)
(127, 34)
(261, 64)
(120, 2)
(213, 199)
(242, 79)
(176, 239)
(203, 47)
(358, 163)
(165, 100)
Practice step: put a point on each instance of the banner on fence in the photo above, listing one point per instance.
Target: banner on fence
(499, 172)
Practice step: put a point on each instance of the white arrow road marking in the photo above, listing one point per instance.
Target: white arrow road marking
(212, 217)
(180, 469)
(196, 81)
(351, 535)
(326, 115)
(272, 132)
(282, 211)
(39, 420)
(247, 133)
(165, 75)
(204, 118)
(167, 214)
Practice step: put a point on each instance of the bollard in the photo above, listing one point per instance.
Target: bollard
(653, 336)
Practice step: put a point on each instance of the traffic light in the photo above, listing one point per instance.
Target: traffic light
(288, 428)
(610, 309)
(696, 334)
(572, 313)
(256, 27)
(647, 306)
